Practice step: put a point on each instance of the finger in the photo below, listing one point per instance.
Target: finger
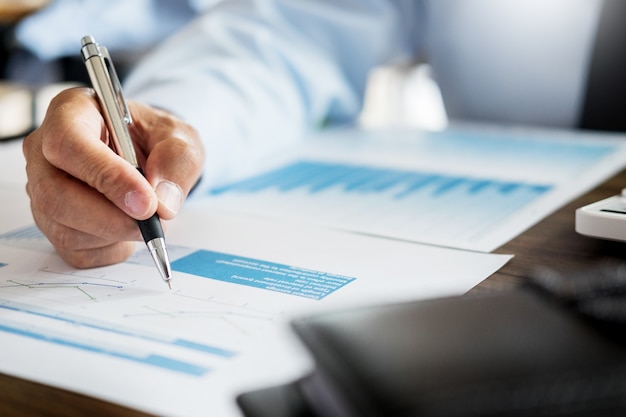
(57, 198)
(83, 238)
(76, 143)
(83, 235)
(89, 258)
(175, 155)
(83, 250)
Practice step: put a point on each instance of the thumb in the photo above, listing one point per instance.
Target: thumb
(174, 156)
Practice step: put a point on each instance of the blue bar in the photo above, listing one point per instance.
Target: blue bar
(381, 180)
(360, 179)
(448, 185)
(317, 177)
(480, 186)
(330, 176)
(540, 189)
(115, 330)
(153, 360)
(298, 175)
(204, 348)
(25, 233)
(420, 182)
(253, 184)
(509, 188)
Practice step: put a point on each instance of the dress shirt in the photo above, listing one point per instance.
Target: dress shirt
(254, 76)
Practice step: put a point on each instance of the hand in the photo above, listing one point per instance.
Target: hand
(84, 197)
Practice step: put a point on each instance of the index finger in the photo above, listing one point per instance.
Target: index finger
(76, 141)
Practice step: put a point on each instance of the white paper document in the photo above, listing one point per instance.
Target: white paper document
(472, 189)
(119, 334)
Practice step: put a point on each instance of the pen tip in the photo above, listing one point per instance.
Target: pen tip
(169, 284)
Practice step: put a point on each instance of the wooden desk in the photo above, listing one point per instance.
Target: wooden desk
(552, 242)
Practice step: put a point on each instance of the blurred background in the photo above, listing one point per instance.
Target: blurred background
(40, 44)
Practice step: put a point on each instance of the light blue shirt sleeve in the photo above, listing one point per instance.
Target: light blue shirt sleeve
(120, 25)
(254, 76)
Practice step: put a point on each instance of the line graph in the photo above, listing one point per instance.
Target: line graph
(186, 314)
(108, 312)
(62, 284)
(231, 322)
(87, 293)
(77, 273)
(78, 286)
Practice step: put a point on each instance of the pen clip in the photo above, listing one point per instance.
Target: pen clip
(117, 86)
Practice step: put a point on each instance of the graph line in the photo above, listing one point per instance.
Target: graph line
(78, 286)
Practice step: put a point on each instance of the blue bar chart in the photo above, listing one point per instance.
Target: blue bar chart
(422, 206)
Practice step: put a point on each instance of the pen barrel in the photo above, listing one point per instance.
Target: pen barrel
(108, 90)
(151, 228)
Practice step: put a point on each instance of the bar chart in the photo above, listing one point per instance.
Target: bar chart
(414, 205)
(466, 188)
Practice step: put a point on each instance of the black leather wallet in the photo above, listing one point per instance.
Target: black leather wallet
(553, 348)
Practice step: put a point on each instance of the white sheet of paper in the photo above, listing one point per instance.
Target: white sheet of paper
(473, 189)
(117, 333)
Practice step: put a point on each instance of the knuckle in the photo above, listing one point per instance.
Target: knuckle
(90, 258)
(45, 198)
(28, 145)
(52, 148)
(186, 150)
(188, 154)
(78, 258)
(106, 178)
(63, 238)
(72, 116)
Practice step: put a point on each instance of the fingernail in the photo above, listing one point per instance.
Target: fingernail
(170, 195)
(136, 203)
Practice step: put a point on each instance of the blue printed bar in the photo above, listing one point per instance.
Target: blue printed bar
(152, 360)
(317, 177)
(87, 345)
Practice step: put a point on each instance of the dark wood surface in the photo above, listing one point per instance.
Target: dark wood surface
(552, 242)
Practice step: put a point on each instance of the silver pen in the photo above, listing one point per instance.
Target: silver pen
(117, 117)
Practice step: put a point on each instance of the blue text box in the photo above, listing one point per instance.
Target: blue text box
(261, 274)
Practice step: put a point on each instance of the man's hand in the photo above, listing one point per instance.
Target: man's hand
(84, 197)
